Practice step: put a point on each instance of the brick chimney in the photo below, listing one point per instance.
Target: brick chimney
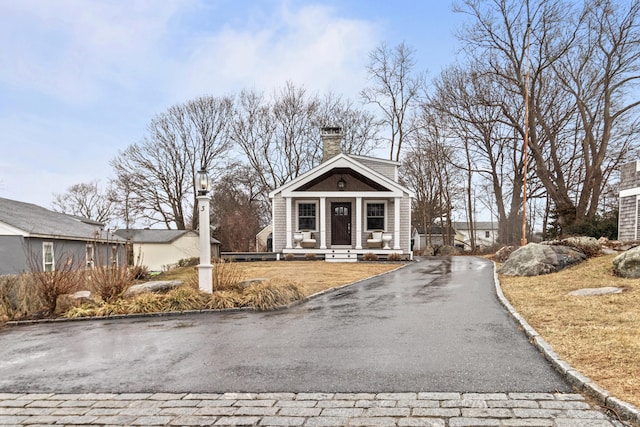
(331, 138)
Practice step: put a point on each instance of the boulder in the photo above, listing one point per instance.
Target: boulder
(589, 292)
(76, 299)
(157, 286)
(590, 246)
(504, 253)
(627, 264)
(535, 259)
(428, 251)
(446, 250)
(250, 282)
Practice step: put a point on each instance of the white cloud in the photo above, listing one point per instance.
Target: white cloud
(310, 46)
(76, 50)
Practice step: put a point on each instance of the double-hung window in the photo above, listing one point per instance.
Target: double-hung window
(48, 260)
(307, 216)
(375, 216)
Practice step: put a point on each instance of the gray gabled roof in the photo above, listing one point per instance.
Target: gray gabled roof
(148, 235)
(477, 225)
(36, 221)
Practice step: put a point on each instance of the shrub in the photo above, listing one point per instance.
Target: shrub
(188, 262)
(394, 257)
(289, 257)
(111, 282)
(369, 256)
(272, 294)
(139, 272)
(51, 284)
(310, 257)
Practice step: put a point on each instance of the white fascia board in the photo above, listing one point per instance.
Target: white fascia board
(630, 192)
(9, 230)
(343, 194)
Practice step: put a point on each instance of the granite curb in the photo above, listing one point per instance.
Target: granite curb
(189, 312)
(624, 410)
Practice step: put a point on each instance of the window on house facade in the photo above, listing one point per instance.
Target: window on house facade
(306, 216)
(48, 260)
(90, 255)
(487, 234)
(114, 256)
(375, 216)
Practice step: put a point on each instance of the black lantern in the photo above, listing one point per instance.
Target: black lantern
(202, 182)
(342, 184)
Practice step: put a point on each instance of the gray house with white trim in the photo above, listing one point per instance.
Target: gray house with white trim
(629, 202)
(347, 206)
(32, 237)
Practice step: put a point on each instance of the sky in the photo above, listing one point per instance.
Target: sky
(81, 79)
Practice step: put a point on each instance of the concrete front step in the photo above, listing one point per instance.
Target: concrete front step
(341, 255)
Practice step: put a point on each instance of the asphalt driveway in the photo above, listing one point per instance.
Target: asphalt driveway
(435, 325)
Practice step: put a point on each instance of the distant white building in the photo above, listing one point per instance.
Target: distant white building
(485, 233)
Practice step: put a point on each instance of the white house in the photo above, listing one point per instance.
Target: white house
(159, 250)
(347, 206)
(485, 234)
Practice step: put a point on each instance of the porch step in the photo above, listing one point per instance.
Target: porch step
(337, 255)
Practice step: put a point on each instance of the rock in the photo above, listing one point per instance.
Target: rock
(68, 301)
(535, 259)
(590, 246)
(587, 292)
(246, 283)
(504, 252)
(627, 264)
(446, 250)
(428, 251)
(157, 286)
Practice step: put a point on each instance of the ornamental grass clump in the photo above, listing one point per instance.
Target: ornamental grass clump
(184, 298)
(17, 297)
(272, 294)
(226, 274)
(224, 299)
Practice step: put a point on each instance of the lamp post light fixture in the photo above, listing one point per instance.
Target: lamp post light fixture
(342, 184)
(205, 278)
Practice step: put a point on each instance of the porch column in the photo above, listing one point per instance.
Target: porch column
(289, 214)
(396, 223)
(323, 222)
(358, 222)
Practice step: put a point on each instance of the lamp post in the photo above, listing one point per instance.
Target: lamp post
(205, 282)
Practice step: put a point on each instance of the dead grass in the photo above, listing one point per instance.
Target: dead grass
(315, 276)
(597, 335)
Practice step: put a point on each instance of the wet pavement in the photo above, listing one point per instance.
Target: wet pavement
(426, 345)
(435, 325)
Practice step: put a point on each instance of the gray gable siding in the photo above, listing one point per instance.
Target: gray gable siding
(629, 205)
(384, 168)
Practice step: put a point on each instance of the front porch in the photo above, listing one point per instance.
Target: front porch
(344, 255)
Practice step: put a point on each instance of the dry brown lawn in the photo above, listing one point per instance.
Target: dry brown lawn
(597, 335)
(315, 276)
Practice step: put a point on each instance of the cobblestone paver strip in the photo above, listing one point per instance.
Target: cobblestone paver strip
(302, 409)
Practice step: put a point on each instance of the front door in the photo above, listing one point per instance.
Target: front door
(341, 223)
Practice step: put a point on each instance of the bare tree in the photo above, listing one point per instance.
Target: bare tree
(395, 89)
(277, 134)
(87, 200)
(429, 170)
(574, 68)
(161, 170)
(473, 105)
(238, 208)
